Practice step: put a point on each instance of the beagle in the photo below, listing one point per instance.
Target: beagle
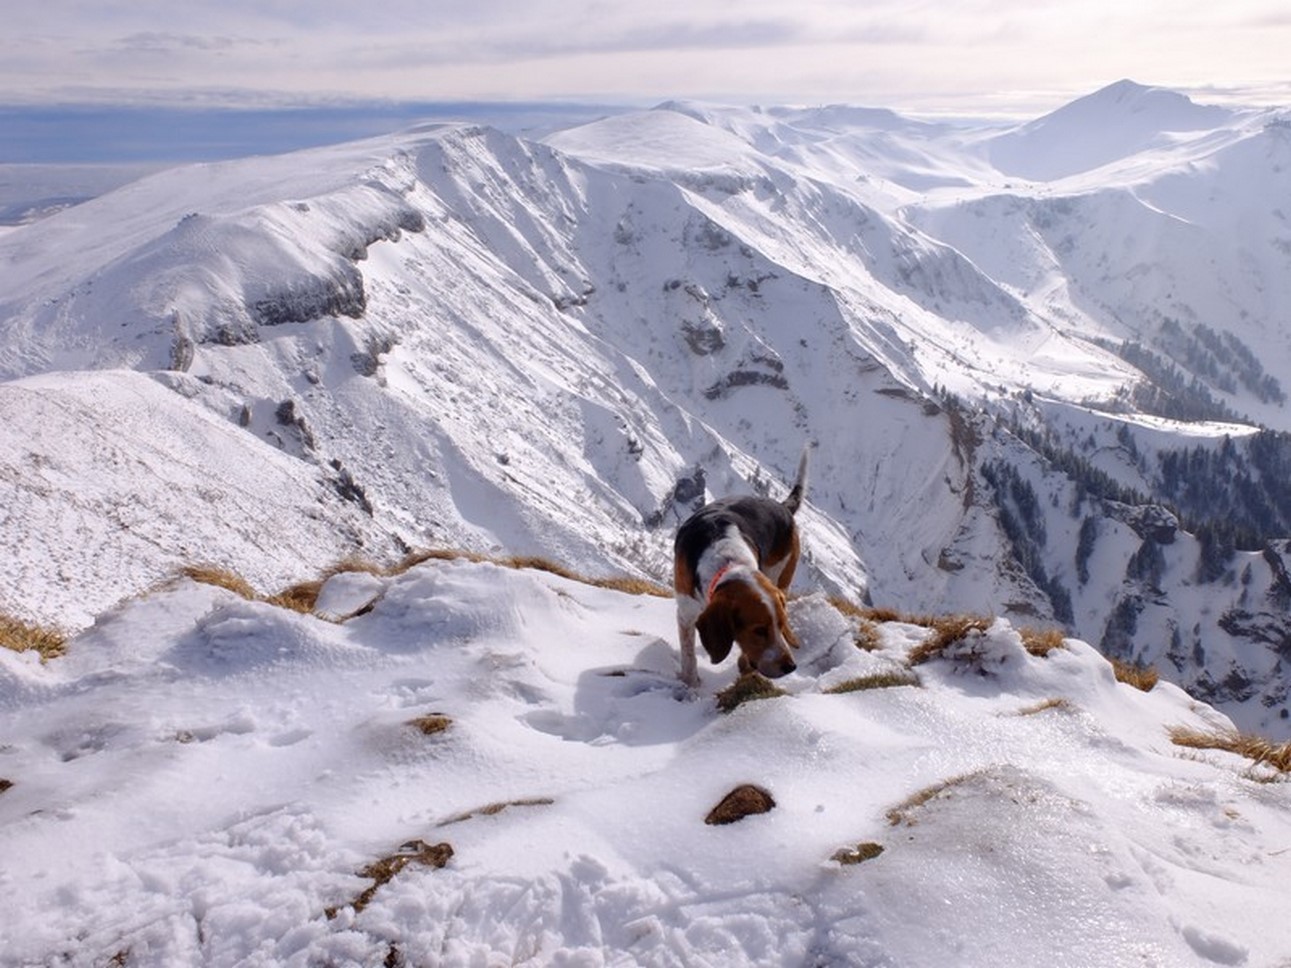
(733, 560)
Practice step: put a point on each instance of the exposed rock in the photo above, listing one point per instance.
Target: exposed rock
(741, 802)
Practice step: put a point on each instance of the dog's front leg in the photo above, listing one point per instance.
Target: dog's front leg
(686, 639)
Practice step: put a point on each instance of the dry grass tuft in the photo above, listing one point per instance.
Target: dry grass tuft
(867, 631)
(1040, 642)
(1255, 748)
(876, 680)
(415, 558)
(890, 615)
(431, 723)
(848, 607)
(858, 854)
(1140, 677)
(747, 688)
(946, 631)
(901, 813)
(621, 583)
(301, 597)
(220, 578)
(384, 870)
(631, 586)
(493, 809)
(1062, 705)
(744, 801)
(48, 643)
(867, 636)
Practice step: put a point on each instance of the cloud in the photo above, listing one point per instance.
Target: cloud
(909, 55)
(167, 43)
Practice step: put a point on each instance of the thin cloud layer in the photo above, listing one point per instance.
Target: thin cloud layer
(974, 55)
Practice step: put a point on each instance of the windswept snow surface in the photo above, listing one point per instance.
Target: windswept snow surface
(202, 780)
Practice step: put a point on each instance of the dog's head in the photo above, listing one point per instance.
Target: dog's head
(749, 613)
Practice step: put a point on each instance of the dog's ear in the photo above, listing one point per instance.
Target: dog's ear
(716, 631)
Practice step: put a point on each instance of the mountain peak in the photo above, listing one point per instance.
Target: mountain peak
(1100, 128)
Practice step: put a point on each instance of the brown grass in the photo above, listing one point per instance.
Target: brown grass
(220, 578)
(901, 813)
(876, 680)
(385, 869)
(431, 723)
(747, 688)
(1062, 705)
(303, 596)
(1140, 677)
(48, 643)
(858, 854)
(621, 583)
(1040, 642)
(1259, 750)
(946, 631)
(892, 615)
(867, 631)
(493, 809)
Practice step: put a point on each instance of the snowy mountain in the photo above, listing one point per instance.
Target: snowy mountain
(1043, 364)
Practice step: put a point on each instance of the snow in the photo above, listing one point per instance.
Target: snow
(201, 779)
(457, 338)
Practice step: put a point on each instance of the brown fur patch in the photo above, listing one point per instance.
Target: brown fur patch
(683, 579)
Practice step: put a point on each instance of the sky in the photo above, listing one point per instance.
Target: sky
(1001, 57)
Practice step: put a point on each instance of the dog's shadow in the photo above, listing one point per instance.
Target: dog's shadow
(643, 704)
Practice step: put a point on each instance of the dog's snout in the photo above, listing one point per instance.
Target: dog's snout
(781, 666)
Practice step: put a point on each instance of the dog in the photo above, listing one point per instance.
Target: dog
(733, 560)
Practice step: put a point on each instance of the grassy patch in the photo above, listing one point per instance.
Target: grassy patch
(1140, 677)
(1260, 751)
(1040, 642)
(301, 597)
(621, 583)
(493, 809)
(221, 578)
(867, 636)
(747, 688)
(876, 680)
(48, 643)
(945, 632)
(385, 869)
(431, 723)
(902, 812)
(867, 631)
(858, 854)
(1061, 705)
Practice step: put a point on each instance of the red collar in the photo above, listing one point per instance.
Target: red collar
(712, 585)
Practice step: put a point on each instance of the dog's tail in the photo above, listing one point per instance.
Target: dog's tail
(794, 500)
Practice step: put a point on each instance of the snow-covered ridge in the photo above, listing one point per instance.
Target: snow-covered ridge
(456, 337)
(1014, 809)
